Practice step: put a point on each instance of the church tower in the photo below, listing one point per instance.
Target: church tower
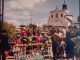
(64, 6)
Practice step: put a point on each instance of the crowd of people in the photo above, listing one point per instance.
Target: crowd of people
(35, 43)
(62, 44)
(73, 43)
(70, 45)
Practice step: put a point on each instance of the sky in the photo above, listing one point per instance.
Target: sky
(35, 11)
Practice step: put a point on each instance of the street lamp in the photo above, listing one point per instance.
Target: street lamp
(1, 13)
(30, 16)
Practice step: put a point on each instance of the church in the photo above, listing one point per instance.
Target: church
(61, 18)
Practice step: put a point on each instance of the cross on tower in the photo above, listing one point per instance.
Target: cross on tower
(64, 1)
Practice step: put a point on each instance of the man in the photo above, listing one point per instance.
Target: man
(5, 45)
(54, 48)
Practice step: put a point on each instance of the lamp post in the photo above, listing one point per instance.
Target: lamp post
(30, 17)
(1, 13)
(79, 16)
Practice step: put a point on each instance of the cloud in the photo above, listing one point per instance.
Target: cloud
(14, 22)
(23, 3)
(20, 10)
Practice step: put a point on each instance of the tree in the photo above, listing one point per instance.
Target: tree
(32, 26)
(10, 28)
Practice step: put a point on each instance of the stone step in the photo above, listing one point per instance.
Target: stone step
(10, 58)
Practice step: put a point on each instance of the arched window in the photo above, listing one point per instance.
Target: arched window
(51, 16)
(61, 15)
(56, 15)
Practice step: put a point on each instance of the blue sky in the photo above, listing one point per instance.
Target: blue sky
(21, 11)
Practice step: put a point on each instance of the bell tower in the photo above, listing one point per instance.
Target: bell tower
(64, 6)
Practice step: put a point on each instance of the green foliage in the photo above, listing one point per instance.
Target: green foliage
(9, 28)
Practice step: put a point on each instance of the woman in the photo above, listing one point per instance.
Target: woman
(69, 44)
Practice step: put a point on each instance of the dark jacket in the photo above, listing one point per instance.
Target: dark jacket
(54, 44)
(4, 42)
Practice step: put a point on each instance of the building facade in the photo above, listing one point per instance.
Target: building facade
(61, 18)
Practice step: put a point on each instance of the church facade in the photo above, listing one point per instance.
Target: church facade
(61, 18)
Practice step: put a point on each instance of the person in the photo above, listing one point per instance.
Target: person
(30, 38)
(61, 48)
(54, 48)
(77, 47)
(44, 39)
(5, 45)
(38, 38)
(18, 39)
(52, 31)
(69, 44)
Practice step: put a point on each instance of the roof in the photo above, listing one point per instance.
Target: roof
(72, 20)
(68, 12)
(56, 10)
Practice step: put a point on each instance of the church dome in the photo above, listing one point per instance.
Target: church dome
(56, 10)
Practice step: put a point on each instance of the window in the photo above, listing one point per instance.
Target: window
(51, 16)
(61, 15)
(56, 15)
